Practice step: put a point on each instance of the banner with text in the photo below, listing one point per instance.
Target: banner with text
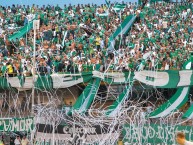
(16, 124)
(155, 134)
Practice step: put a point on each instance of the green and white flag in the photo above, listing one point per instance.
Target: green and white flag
(65, 34)
(119, 7)
(122, 29)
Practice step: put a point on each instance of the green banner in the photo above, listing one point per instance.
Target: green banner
(16, 124)
(155, 134)
(21, 32)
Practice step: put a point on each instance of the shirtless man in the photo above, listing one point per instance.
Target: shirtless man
(181, 140)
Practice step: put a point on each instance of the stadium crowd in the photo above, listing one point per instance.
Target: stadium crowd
(76, 38)
(166, 33)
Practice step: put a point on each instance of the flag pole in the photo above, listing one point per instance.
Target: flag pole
(35, 27)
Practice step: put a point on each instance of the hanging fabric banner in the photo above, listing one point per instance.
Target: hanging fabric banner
(16, 124)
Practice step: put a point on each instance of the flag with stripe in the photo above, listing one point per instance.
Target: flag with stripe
(119, 7)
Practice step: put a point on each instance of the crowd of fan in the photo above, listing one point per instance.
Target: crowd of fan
(163, 37)
(76, 38)
(86, 37)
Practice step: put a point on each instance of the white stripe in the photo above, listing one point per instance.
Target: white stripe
(185, 78)
(98, 74)
(14, 82)
(60, 80)
(58, 83)
(160, 78)
(119, 80)
(114, 74)
(29, 82)
(188, 66)
(66, 78)
(174, 105)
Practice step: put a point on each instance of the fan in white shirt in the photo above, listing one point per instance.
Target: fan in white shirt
(149, 34)
(17, 141)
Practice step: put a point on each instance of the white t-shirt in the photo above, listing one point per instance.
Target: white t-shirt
(167, 66)
(17, 141)
(164, 24)
(188, 143)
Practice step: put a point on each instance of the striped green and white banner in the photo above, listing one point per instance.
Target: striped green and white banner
(179, 98)
(47, 82)
(177, 101)
(119, 7)
(118, 103)
(189, 113)
(159, 79)
(103, 14)
(165, 79)
(122, 29)
(115, 108)
(56, 81)
(87, 96)
(90, 97)
(19, 34)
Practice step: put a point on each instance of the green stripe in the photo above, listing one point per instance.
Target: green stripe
(188, 113)
(21, 32)
(21, 80)
(44, 83)
(4, 84)
(174, 78)
(117, 101)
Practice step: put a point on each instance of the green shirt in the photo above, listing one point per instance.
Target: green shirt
(2, 41)
(3, 69)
